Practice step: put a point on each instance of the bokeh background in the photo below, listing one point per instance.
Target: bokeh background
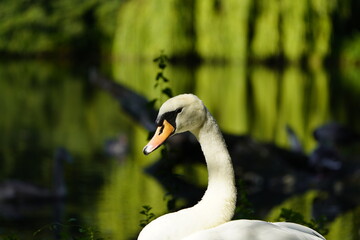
(271, 71)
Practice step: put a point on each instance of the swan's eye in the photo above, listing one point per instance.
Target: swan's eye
(161, 129)
(168, 116)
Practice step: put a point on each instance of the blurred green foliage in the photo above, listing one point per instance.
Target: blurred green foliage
(40, 26)
(289, 215)
(161, 25)
(236, 30)
(351, 50)
(148, 215)
(44, 106)
(304, 204)
(211, 30)
(161, 81)
(345, 226)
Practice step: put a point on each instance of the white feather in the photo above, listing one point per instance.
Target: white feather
(210, 218)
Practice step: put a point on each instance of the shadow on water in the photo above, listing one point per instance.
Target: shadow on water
(268, 118)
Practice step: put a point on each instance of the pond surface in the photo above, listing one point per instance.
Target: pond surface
(47, 107)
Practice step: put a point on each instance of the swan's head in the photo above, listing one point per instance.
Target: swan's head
(182, 113)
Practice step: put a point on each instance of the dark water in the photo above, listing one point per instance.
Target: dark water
(49, 106)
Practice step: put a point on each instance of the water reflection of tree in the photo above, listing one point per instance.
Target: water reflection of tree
(44, 106)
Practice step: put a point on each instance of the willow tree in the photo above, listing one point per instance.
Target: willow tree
(222, 29)
(147, 27)
(230, 30)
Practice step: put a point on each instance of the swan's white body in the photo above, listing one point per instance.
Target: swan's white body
(210, 218)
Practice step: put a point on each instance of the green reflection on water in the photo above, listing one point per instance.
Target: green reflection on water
(45, 105)
(346, 226)
(293, 99)
(126, 191)
(223, 89)
(265, 84)
(318, 101)
(303, 203)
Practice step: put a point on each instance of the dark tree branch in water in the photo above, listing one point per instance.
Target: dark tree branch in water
(135, 105)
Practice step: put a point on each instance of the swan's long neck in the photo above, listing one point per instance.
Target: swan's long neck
(219, 199)
(218, 203)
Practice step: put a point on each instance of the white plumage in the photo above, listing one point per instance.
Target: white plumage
(210, 218)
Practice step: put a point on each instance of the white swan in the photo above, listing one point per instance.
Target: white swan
(210, 218)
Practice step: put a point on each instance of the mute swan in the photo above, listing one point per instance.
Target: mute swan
(210, 218)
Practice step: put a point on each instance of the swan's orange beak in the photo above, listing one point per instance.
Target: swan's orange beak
(162, 133)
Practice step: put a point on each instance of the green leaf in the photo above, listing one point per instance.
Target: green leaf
(159, 75)
(167, 92)
(289, 215)
(162, 65)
